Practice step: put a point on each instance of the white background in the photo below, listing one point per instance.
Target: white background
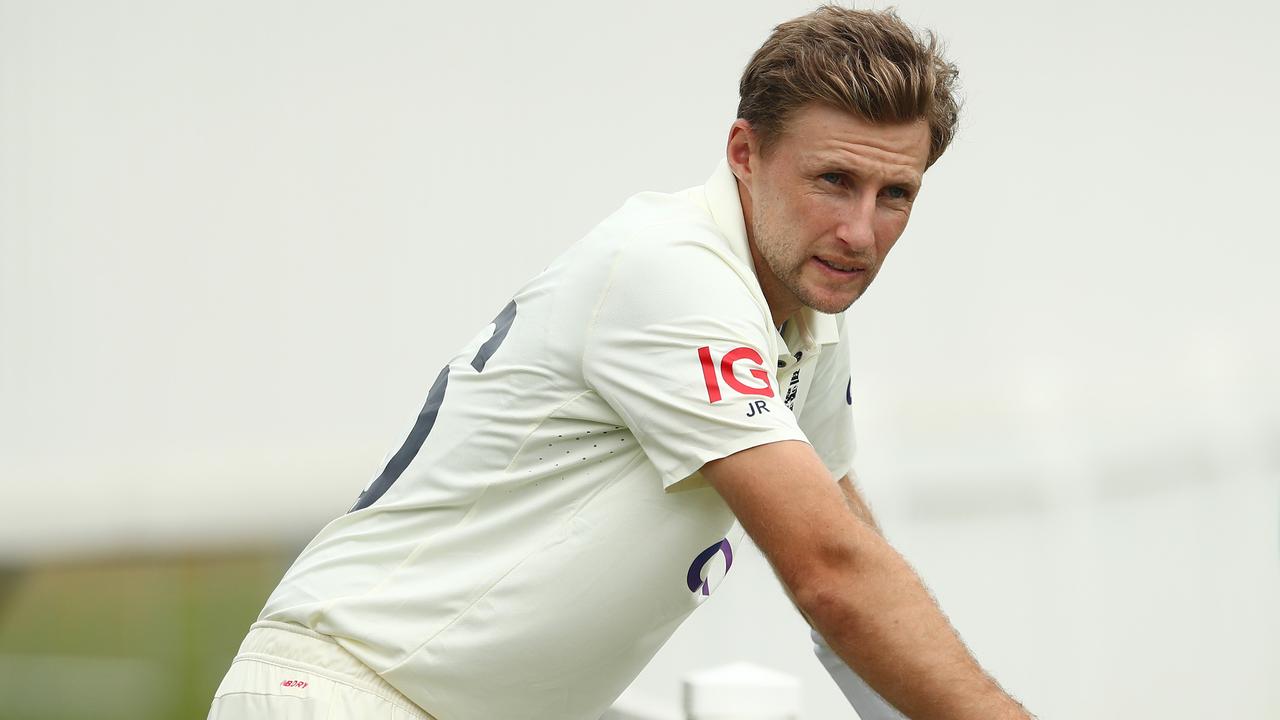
(238, 240)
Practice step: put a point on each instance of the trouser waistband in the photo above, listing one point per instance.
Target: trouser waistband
(324, 656)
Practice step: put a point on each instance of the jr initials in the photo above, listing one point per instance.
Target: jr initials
(755, 407)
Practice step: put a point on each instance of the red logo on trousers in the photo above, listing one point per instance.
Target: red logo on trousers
(726, 373)
(294, 683)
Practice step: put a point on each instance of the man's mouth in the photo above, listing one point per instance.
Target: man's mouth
(839, 266)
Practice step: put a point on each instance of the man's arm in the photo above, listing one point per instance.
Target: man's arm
(857, 504)
(867, 702)
(853, 587)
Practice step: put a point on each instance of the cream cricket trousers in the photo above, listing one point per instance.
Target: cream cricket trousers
(287, 672)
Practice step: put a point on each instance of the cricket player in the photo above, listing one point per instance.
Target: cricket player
(584, 469)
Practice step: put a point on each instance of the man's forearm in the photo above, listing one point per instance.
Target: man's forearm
(865, 700)
(889, 630)
(855, 589)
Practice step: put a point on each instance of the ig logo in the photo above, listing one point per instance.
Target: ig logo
(703, 567)
(727, 373)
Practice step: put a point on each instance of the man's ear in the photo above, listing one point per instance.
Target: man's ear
(743, 151)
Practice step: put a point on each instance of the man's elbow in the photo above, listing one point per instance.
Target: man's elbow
(825, 587)
(825, 604)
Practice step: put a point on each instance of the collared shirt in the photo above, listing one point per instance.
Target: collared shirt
(543, 527)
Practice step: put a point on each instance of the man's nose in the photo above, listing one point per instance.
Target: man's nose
(857, 227)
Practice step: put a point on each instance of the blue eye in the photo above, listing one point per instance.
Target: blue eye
(833, 178)
(896, 193)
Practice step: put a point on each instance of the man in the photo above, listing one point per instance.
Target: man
(568, 494)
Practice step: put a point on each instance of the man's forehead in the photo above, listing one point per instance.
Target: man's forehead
(819, 131)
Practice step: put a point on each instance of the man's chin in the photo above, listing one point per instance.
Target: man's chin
(830, 303)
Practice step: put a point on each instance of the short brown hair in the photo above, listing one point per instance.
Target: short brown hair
(869, 63)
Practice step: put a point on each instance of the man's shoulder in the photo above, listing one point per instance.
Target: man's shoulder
(662, 261)
(674, 233)
(677, 217)
(660, 255)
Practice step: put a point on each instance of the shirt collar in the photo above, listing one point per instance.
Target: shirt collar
(726, 208)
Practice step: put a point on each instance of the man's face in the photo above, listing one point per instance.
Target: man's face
(827, 203)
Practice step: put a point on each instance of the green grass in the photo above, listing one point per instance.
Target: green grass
(140, 638)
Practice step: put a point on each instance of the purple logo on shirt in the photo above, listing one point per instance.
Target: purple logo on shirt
(696, 581)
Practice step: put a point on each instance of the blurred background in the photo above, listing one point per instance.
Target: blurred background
(239, 239)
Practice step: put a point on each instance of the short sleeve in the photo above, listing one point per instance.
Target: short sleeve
(827, 415)
(682, 349)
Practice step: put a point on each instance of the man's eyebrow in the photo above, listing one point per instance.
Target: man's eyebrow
(905, 176)
(911, 181)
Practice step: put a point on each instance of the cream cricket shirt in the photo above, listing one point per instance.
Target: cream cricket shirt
(543, 528)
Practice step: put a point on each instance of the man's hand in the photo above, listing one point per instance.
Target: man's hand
(855, 590)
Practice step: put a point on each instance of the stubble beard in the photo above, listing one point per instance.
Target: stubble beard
(779, 255)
